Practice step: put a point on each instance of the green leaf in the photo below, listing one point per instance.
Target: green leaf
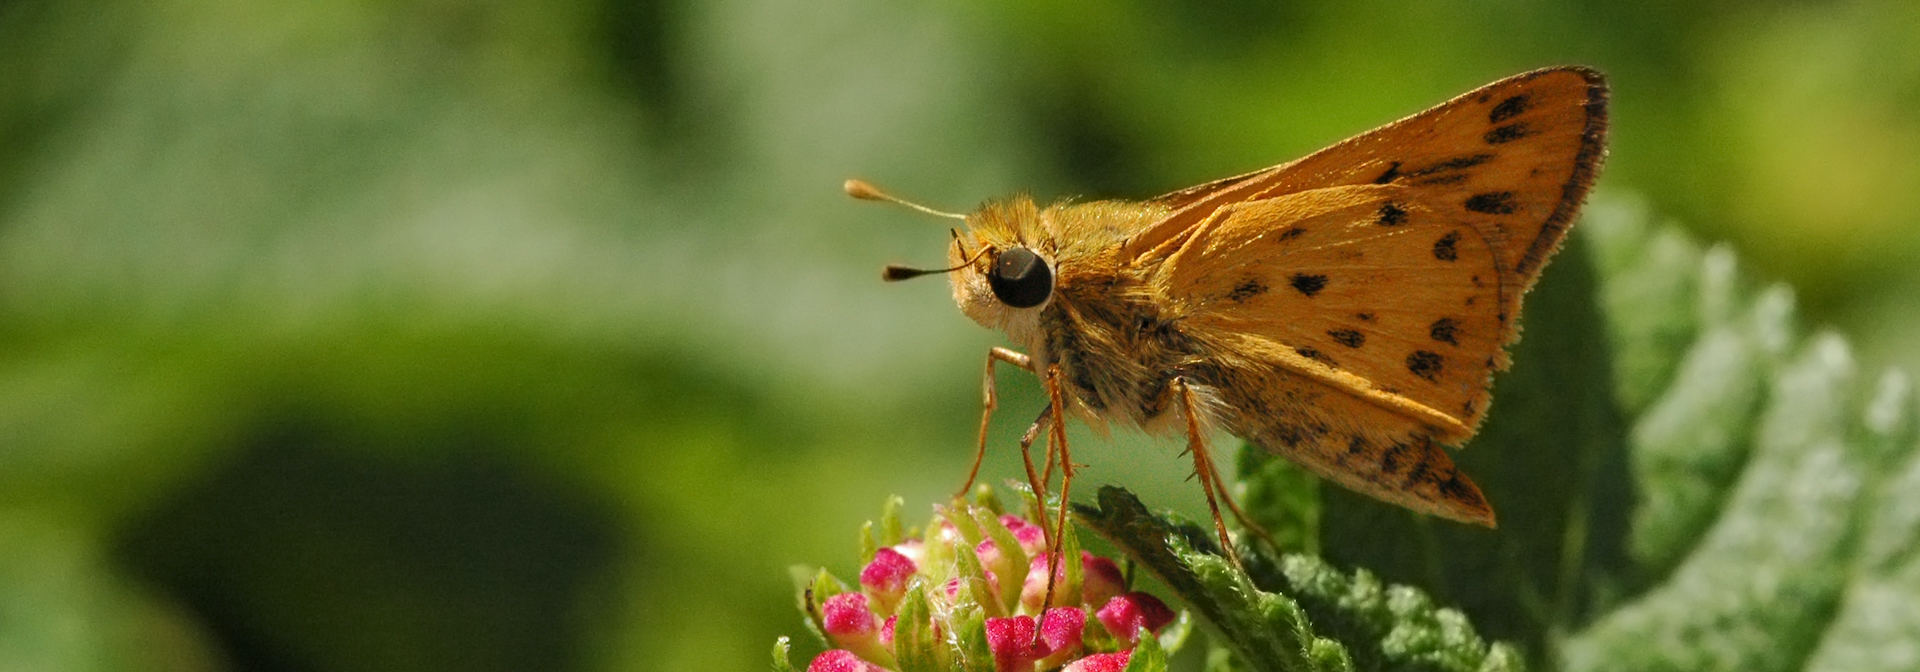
(1691, 442)
(1656, 308)
(1766, 525)
(1294, 612)
(1280, 497)
(1147, 657)
(1879, 613)
(916, 646)
(892, 531)
(970, 632)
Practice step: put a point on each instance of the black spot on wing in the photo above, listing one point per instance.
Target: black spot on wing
(1492, 203)
(1441, 179)
(1392, 173)
(1455, 489)
(1364, 317)
(1392, 215)
(1425, 364)
(1247, 289)
(1509, 108)
(1445, 331)
(1356, 445)
(1316, 355)
(1420, 472)
(1455, 163)
(1348, 337)
(1444, 248)
(1291, 233)
(1508, 133)
(1309, 284)
(1391, 459)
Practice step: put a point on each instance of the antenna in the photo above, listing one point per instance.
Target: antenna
(896, 272)
(867, 192)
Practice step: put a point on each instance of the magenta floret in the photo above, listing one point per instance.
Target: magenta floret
(1099, 662)
(1126, 615)
(1013, 643)
(841, 660)
(1061, 629)
(885, 578)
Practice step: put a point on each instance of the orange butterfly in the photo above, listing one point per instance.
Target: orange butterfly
(1345, 310)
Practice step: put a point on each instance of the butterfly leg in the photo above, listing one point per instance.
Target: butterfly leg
(1035, 480)
(990, 401)
(1203, 467)
(1056, 441)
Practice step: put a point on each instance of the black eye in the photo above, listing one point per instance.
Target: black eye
(1020, 278)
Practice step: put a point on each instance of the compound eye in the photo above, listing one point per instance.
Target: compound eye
(1020, 278)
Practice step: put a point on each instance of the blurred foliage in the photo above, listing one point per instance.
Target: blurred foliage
(398, 335)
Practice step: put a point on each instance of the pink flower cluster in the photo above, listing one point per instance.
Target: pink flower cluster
(956, 582)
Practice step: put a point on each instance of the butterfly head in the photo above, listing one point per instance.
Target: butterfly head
(1000, 267)
(1003, 271)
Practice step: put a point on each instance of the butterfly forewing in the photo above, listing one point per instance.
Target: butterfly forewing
(1372, 286)
(1514, 158)
(1368, 281)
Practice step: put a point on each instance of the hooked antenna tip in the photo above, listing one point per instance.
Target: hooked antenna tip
(861, 190)
(896, 273)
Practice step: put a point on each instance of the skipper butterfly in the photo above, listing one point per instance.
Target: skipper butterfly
(1345, 310)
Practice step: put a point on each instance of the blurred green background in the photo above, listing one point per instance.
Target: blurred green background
(431, 335)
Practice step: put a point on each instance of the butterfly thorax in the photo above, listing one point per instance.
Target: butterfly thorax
(1118, 348)
(1117, 343)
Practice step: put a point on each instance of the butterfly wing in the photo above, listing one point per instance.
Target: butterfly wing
(1530, 145)
(1368, 290)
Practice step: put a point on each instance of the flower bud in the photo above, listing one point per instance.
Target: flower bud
(1099, 662)
(1100, 579)
(1060, 629)
(1032, 539)
(1013, 643)
(841, 660)
(849, 625)
(885, 578)
(1126, 615)
(1035, 589)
